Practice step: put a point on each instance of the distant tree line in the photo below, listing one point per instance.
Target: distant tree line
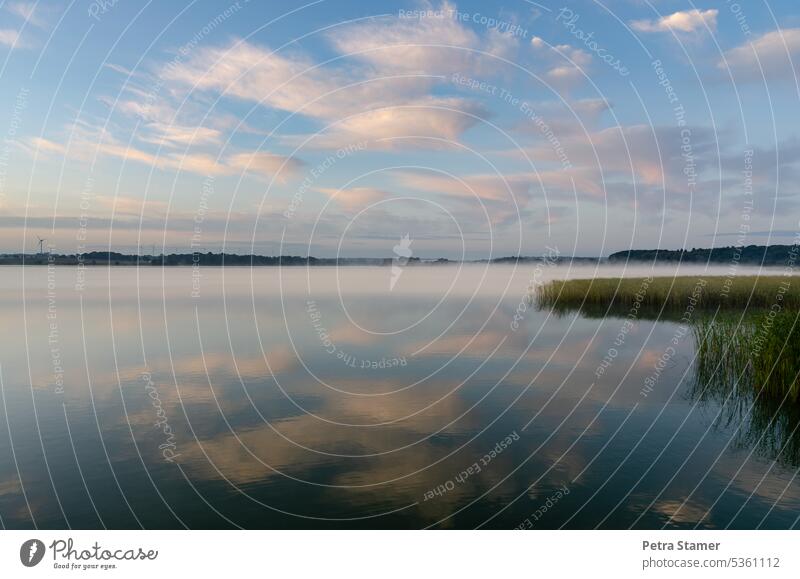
(200, 259)
(751, 254)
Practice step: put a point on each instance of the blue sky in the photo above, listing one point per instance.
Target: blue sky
(338, 127)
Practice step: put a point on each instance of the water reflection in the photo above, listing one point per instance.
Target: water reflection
(747, 365)
(745, 374)
(323, 398)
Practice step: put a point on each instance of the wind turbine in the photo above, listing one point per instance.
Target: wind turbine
(41, 244)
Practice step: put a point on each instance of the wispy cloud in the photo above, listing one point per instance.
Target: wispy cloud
(771, 56)
(683, 21)
(175, 135)
(28, 11)
(480, 198)
(438, 44)
(85, 145)
(266, 164)
(355, 198)
(10, 38)
(567, 66)
(381, 86)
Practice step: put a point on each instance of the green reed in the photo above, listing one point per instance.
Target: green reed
(671, 293)
(746, 328)
(750, 364)
(760, 351)
(747, 334)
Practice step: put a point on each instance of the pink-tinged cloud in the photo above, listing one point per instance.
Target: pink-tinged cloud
(771, 56)
(435, 45)
(290, 83)
(27, 11)
(355, 198)
(266, 164)
(10, 38)
(475, 199)
(261, 163)
(169, 135)
(565, 66)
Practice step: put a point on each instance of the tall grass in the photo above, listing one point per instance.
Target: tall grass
(671, 292)
(750, 364)
(747, 333)
(760, 352)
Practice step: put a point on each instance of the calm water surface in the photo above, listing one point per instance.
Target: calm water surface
(327, 397)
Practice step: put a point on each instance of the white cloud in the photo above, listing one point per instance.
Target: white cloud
(685, 21)
(359, 104)
(169, 135)
(432, 123)
(9, 38)
(436, 45)
(290, 83)
(474, 198)
(380, 89)
(85, 143)
(775, 55)
(566, 64)
(650, 155)
(564, 118)
(27, 11)
(355, 198)
(266, 164)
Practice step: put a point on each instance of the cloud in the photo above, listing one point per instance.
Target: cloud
(563, 118)
(83, 147)
(358, 107)
(381, 89)
(648, 154)
(685, 21)
(645, 167)
(355, 198)
(119, 69)
(432, 123)
(567, 65)
(124, 206)
(564, 76)
(474, 198)
(46, 145)
(434, 45)
(174, 135)
(773, 56)
(133, 217)
(27, 11)
(483, 188)
(289, 83)
(266, 164)
(649, 167)
(9, 38)
(198, 163)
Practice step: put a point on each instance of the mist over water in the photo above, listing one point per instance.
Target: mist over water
(332, 397)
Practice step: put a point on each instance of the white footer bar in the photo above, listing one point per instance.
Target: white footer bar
(401, 554)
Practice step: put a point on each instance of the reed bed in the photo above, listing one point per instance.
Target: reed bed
(750, 365)
(759, 352)
(746, 328)
(747, 335)
(670, 293)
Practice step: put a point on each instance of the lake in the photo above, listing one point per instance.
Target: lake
(425, 396)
